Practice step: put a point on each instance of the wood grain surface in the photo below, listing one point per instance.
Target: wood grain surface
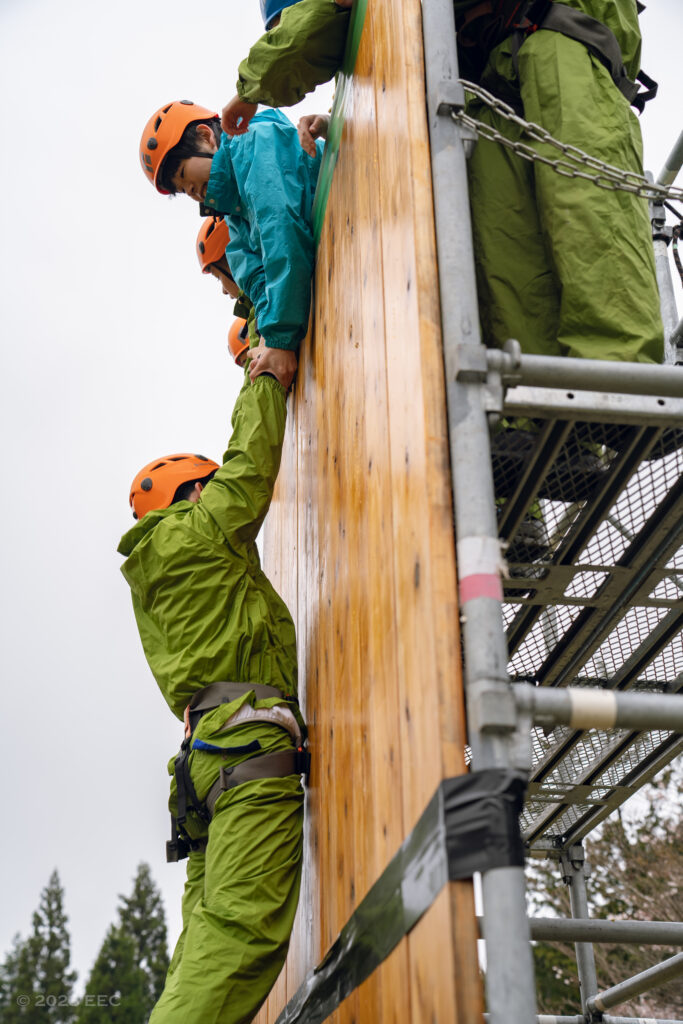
(359, 542)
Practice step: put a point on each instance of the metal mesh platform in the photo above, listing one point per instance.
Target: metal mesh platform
(592, 513)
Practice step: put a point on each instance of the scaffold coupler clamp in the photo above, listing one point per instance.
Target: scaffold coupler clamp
(503, 370)
(450, 101)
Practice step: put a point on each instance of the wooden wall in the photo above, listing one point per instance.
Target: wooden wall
(359, 541)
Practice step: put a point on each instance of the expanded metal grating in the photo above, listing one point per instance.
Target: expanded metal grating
(592, 515)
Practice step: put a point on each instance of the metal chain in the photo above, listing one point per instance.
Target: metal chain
(614, 179)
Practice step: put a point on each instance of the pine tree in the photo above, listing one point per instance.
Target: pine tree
(52, 953)
(143, 920)
(17, 978)
(115, 991)
(36, 985)
(128, 975)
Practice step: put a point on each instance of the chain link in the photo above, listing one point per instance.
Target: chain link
(613, 179)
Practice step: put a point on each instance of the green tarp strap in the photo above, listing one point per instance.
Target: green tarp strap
(470, 824)
(339, 108)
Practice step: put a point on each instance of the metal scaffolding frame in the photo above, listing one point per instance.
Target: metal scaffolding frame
(573, 660)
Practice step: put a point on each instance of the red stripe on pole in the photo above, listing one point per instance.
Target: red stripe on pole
(481, 585)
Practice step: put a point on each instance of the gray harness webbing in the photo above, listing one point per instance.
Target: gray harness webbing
(262, 766)
(215, 694)
(267, 766)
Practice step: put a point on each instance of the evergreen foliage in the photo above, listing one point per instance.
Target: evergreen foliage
(128, 975)
(116, 987)
(144, 921)
(36, 985)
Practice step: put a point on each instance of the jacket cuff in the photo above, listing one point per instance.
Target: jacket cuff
(266, 380)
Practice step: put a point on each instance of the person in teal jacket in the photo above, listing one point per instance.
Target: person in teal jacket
(207, 614)
(302, 48)
(563, 266)
(263, 183)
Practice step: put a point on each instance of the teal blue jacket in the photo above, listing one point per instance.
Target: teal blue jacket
(264, 183)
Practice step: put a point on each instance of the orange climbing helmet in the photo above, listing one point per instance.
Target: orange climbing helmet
(238, 338)
(156, 483)
(163, 131)
(212, 241)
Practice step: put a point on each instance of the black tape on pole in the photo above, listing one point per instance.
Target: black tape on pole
(470, 824)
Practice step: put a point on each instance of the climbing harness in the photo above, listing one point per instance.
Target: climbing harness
(260, 766)
(487, 24)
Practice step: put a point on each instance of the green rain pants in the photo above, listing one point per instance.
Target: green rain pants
(563, 266)
(241, 893)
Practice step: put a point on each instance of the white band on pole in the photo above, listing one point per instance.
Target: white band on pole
(592, 709)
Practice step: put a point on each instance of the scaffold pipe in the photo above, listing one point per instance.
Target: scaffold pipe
(560, 929)
(590, 708)
(648, 979)
(587, 374)
(672, 166)
(606, 1019)
(510, 987)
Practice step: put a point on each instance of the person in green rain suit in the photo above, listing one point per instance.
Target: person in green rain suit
(563, 266)
(302, 48)
(207, 614)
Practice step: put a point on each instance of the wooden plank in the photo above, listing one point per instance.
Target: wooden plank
(371, 525)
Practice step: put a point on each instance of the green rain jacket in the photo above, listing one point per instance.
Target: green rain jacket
(304, 50)
(204, 608)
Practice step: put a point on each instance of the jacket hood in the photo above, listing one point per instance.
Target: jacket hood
(132, 538)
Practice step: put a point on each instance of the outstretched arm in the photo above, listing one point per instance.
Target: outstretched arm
(239, 495)
(304, 50)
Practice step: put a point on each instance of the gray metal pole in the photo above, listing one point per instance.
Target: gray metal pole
(545, 1018)
(560, 929)
(570, 374)
(668, 173)
(606, 1019)
(574, 871)
(591, 708)
(625, 990)
(492, 717)
(667, 300)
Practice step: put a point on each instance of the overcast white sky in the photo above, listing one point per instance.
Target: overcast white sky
(114, 352)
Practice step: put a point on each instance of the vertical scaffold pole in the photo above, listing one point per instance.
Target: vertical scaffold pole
(494, 732)
(574, 873)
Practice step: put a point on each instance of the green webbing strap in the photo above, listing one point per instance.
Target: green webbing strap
(339, 108)
(470, 824)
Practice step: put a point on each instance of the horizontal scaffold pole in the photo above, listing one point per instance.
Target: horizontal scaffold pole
(588, 708)
(551, 1018)
(587, 374)
(547, 1018)
(642, 982)
(560, 929)
(606, 1019)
